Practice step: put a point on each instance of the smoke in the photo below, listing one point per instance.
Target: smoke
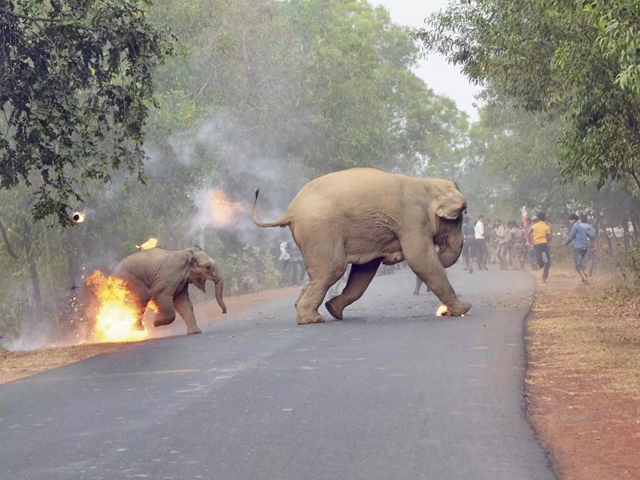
(200, 188)
(233, 165)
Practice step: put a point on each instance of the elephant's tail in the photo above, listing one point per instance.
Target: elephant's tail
(281, 222)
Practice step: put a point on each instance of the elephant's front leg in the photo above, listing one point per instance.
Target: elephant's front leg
(359, 279)
(183, 305)
(422, 257)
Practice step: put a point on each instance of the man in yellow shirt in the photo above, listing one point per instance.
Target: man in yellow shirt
(541, 237)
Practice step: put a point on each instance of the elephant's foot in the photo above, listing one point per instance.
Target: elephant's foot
(161, 322)
(458, 308)
(194, 331)
(335, 313)
(309, 319)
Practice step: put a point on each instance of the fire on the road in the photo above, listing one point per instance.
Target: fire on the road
(223, 210)
(443, 311)
(116, 319)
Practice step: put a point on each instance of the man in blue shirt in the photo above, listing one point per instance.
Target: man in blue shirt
(580, 237)
(591, 251)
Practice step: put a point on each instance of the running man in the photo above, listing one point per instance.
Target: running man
(580, 237)
(515, 244)
(469, 245)
(501, 250)
(541, 237)
(591, 252)
(481, 244)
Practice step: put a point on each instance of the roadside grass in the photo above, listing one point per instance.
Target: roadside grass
(594, 328)
(583, 375)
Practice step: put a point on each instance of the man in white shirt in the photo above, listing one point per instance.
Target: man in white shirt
(285, 258)
(481, 244)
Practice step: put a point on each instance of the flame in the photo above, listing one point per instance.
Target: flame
(223, 210)
(151, 243)
(443, 311)
(152, 306)
(78, 217)
(117, 317)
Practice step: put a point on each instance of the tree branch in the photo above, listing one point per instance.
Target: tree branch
(6, 242)
(33, 19)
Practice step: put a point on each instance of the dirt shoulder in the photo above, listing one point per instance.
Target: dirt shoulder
(20, 364)
(583, 379)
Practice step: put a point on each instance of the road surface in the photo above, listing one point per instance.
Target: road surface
(391, 392)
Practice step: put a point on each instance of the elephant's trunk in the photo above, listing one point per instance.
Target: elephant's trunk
(450, 240)
(219, 299)
(449, 255)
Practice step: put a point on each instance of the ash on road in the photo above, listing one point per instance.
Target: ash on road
(391, 392)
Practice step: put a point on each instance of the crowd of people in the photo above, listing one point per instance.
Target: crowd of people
(527, 242)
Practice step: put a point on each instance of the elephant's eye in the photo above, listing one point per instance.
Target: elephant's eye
(209, 267)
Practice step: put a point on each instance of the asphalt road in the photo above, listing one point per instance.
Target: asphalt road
(391, 392)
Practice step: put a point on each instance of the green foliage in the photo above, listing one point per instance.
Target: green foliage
(250, 270)
(76, 84)
(576, 58)
(264, 93)
(630, 266)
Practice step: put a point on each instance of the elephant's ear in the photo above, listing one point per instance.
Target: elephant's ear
(448, 207)
(451, 206)
(192, 261)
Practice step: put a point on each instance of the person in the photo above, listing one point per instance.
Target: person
(480, 244)
(515, 244)
(469, 245)
(580, 236)
(500, 244)
(541, 235)
(492, 242)
(418, 285)
(528, 244)
(591, 249)
(285, 259)
(297, 263)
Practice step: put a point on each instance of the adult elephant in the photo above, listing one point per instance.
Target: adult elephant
(365, 217)
(164, 277)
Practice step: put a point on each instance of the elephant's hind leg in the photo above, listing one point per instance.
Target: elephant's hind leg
(321, 277)
(359, 279)
(166, 314)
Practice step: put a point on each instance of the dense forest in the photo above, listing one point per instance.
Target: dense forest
(140, 114)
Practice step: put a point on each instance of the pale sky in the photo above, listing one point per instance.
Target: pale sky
(443, 78)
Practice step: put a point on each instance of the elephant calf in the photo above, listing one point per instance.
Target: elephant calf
(164, 277)
(364, 217)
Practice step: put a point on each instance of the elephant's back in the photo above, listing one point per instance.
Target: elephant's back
(140, 264)
(348, 189)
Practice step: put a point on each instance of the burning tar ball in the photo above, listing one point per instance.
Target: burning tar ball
(78, 217)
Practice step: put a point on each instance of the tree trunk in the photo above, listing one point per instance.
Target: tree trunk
(626, 240)
(33, 271)
(73, 270)
(49, 275)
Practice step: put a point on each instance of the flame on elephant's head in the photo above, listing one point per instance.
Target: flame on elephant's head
(116, 320)
(224, 211)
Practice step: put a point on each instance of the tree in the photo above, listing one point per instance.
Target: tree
(76, 84)
(577, 59)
